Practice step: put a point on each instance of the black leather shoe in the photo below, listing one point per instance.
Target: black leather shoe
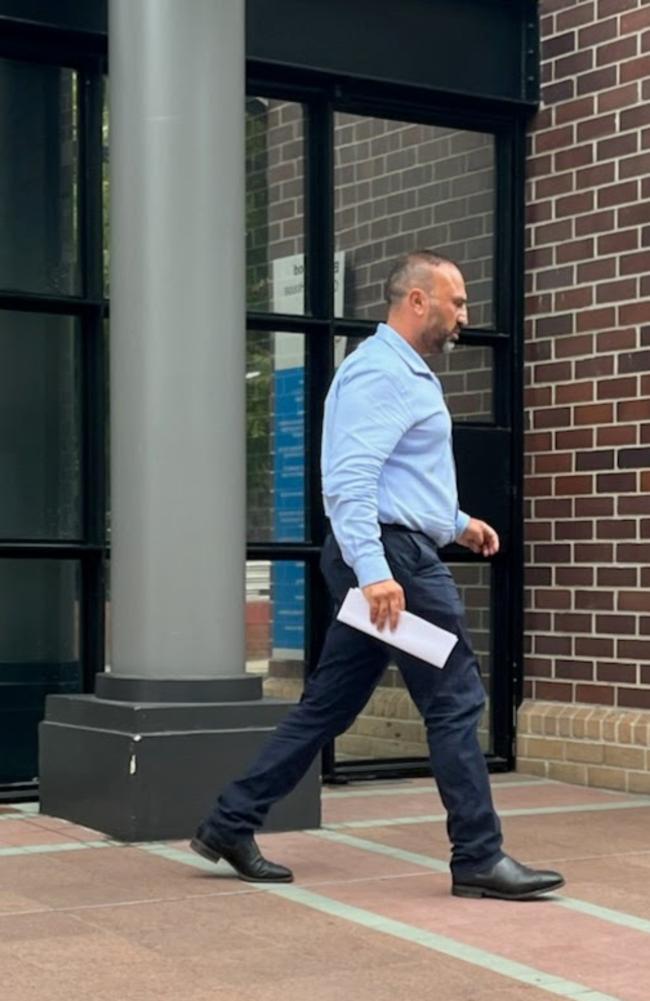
(243, 855)
(507, 880)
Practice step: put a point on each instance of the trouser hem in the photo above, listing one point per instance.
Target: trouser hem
(466, 869)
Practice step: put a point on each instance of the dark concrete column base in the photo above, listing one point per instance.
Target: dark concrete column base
(142, 771)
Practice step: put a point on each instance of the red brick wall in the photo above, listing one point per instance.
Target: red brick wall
(588, 358)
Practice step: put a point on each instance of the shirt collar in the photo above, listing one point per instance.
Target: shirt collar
(408, 354)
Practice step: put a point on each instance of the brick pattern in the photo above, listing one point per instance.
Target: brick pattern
(398, 186)
(588, 359)
(585, 744)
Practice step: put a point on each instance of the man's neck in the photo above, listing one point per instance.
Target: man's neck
(403, 329)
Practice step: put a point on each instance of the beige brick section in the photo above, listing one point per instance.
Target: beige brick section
(587, 752)
(639, 782)
(567, 772)
(608, 748)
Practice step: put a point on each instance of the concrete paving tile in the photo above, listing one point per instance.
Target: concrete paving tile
(577, 835)
(94, 876)
(384, 807)
(26, 982)
(434, 977)
(541, 839)
(52, 950)
(13, 903)
(187, 927)
(424, 839)
(19, 833)
(151, 980)
(621, 883)
(538, 934)
(316, 859)
(72, 832)
(350, 808)
(16, 929)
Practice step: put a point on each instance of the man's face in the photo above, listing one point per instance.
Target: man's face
(447, 310)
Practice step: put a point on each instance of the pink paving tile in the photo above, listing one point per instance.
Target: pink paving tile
(380, 807)
(73, 832)
(276, 949)
(96, 876)
(21, 833)
(350, 808)
(619, 882)
(578, 835)
(61, 958)
(13, 902)
(540, 934)
(545, 837)
(426, 838)
(315, 859)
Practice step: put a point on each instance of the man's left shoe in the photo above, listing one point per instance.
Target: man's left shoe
(243, 855)
(507, 880)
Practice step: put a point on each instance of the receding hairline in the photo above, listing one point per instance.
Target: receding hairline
(412, 270)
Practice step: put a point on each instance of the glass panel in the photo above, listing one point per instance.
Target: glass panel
(275, 457)
(39, 179)
(390, 725)
(39, 653)
(467, 377)
(275, 206)
(275, 625)
(40, 426)
(400, 186)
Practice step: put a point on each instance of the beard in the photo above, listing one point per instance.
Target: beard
(448, 346)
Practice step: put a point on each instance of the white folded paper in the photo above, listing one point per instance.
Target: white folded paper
(413, 634)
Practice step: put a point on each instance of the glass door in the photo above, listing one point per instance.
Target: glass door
(334, 194)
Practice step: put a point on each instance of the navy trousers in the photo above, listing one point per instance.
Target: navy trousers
(450, 701)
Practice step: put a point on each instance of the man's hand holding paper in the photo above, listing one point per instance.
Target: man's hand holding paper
(386, 601)
(412, 634)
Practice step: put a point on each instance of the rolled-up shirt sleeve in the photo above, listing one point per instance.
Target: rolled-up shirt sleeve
(368, 415)
(462, 521)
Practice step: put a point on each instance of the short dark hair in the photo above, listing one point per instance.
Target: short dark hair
(406, 272)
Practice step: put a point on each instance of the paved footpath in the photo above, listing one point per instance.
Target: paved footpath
(369, 918)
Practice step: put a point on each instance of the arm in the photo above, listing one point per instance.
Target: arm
(367, 416)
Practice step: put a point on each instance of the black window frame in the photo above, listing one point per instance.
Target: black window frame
(72, 50)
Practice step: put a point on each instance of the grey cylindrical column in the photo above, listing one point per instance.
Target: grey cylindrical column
(177, 337)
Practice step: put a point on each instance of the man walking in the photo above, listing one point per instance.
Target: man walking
(389, 489)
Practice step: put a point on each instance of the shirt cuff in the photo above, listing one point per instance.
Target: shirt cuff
(462, 521)
(372, 569)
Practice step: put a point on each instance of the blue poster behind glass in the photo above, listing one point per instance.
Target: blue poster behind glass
(288, 578)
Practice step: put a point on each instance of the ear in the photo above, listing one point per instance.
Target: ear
(417, 301)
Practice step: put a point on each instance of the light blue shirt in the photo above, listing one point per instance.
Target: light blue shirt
(386, 453)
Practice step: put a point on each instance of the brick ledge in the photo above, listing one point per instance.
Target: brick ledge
(586, 745)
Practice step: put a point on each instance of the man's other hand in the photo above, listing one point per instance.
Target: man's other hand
(386, 600)
(480, 538)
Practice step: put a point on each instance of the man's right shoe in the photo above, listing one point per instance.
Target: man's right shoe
(243, 855)
(507, 880)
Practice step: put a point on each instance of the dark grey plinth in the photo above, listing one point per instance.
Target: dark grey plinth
(142, 771)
